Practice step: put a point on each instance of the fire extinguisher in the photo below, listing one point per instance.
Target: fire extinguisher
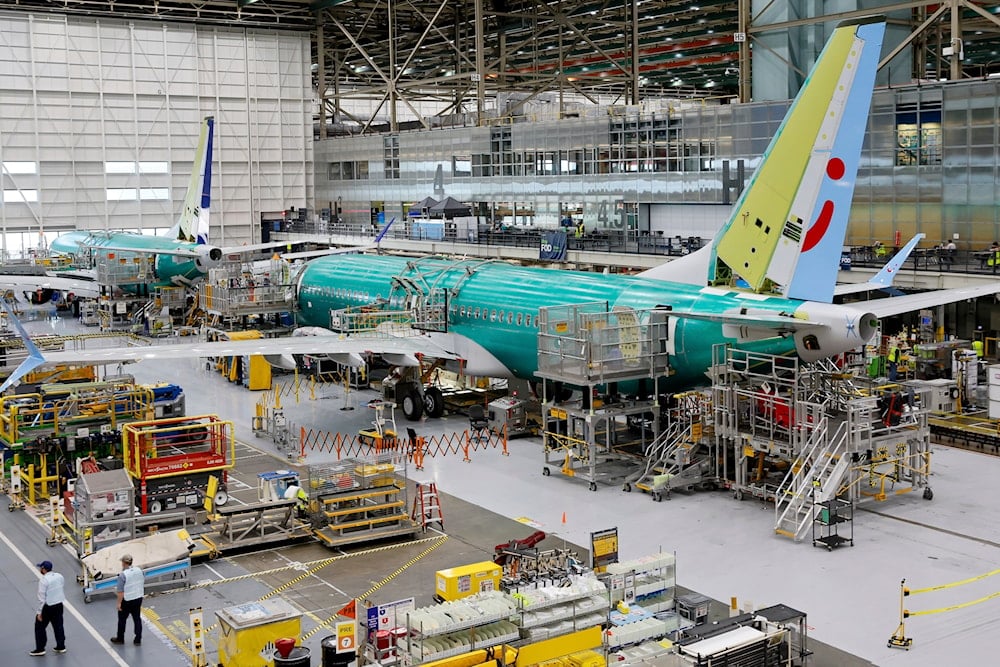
(897, 237)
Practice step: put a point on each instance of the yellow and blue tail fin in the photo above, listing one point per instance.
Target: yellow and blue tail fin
(192, 226)
(788, 227)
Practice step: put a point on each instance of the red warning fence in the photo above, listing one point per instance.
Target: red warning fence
(351, 446)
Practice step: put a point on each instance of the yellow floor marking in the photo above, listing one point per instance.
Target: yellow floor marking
(326, 624)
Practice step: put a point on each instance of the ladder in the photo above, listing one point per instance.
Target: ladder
(427, 506)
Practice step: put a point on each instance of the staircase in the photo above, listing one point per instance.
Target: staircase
(815, 476)
(667, 458)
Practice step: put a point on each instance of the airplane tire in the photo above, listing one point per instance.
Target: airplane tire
(413, 405)
(433, 402)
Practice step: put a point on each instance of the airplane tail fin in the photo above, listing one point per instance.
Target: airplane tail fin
(788, 227)
(31, 362)
(192, 226)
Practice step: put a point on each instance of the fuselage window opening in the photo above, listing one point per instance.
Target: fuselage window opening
(493, 316)
(461, 311)
(510, 317)
(534, 321)
(476, 316)
(520, 318)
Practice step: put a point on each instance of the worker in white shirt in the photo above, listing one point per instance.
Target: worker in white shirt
(296, 492)
(130, 590)
(51, 596)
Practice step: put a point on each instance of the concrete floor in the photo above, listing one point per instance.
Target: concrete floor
(724, 548)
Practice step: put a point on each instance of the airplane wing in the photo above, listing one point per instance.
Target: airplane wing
(309, 254)
(243, 249)
(176, 252)
(746, 317)
(78, 286)
(31, 362)
(348, 350)
(912, 302)
(883, 278)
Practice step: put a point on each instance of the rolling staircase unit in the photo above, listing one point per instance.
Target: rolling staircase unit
(816, 476)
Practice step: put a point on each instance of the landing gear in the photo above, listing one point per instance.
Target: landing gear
(656, 496)
(433, 402)
(413, 405)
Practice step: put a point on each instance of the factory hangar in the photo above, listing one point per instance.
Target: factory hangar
(259, 173)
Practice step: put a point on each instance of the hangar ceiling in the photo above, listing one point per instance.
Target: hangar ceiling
(395, 53)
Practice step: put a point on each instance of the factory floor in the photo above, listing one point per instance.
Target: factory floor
(724, 548)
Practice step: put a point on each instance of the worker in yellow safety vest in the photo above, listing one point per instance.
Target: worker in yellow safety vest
(301, 499)
(977, 345)
(893, 363)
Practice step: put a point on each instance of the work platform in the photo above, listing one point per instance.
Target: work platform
(972, 429)
(241, 526)
(361, 500)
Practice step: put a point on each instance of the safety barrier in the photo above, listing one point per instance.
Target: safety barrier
(899, 638)
(417, 449)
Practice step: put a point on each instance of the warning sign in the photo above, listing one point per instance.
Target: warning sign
(604, 548)
(347, 640)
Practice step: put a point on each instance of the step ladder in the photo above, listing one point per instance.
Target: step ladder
(427, 506)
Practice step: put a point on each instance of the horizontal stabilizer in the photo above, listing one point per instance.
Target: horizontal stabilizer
(884, 278)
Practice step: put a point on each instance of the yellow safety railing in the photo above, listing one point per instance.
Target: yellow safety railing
(23, 413)
(899, 638)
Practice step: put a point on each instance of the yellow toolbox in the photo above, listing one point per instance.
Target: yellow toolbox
(458, 582)
(246, 630)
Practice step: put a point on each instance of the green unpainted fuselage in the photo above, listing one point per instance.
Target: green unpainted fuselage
(168, 269)
(333, 283)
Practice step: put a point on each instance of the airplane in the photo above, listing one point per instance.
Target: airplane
(784, 239)
(181, 256)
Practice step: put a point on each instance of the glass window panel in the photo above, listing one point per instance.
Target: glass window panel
(119, 167)
(154, 193)
(19, 196)
(20, 167)
(121, 194)
(154, 168)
